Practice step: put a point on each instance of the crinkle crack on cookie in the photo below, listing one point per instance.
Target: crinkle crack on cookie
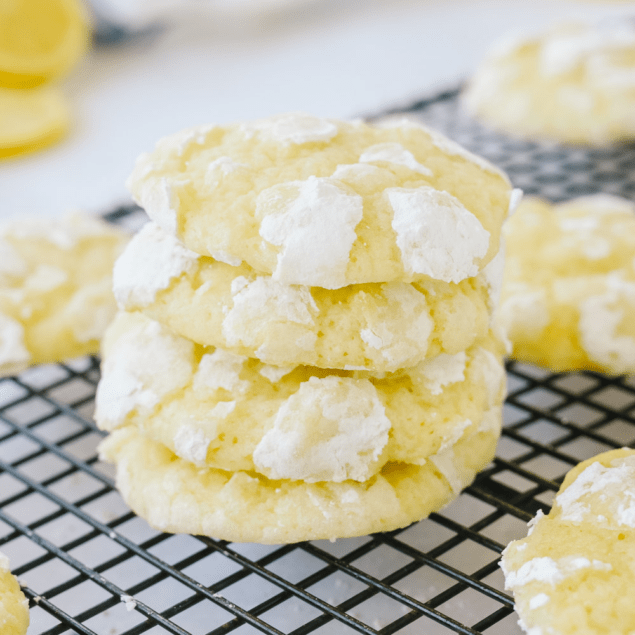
(377, 327)
(14, 607)
(225, 411)
(575, 84)
(175, 495)
(326, 203)
(55, 288)
(573, 572)
(568, 297)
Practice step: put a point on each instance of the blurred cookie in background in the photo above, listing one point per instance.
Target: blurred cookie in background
(568, 296)
(55, 288)
(573, 84)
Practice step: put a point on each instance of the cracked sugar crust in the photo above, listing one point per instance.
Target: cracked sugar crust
(14, 607)
(574, 83)
(174, 495)
(378, 327)
(360, 204)
(55, 288)
(568, 296)
(569, 575)
(226, 411)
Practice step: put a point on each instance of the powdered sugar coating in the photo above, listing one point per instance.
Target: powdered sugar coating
(275, 373)
(151, 260)
(574, 45)
(157, 198)
(222, 166)
(353, 432)
(11, 264)
(602, 495)
(443, 370)
(315, 228)
(398, 349)
(523, 308)
(293, 128)
(14, 356)
(551, 571)
(436, 234)
(190, 443)
(133, 376)
(515, 198)
(90, 310)
(393, 153)
(291, 306)
(220, 369)
(600, 320)
(538, 600)
(445, 462)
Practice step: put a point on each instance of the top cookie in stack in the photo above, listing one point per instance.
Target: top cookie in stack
(326, 204)
(307, 350)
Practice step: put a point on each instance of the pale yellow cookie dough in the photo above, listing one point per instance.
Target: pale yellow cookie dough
(217, 409)
(568, 297)
(378, 327)
(574, 572)
(327, 203)
(575, 84)
(176, 496)
(14, 607)
(55, 288)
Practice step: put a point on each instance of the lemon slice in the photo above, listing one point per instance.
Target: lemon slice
(31, 119)
(39, 40)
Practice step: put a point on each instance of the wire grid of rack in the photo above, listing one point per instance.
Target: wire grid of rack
(89, 565)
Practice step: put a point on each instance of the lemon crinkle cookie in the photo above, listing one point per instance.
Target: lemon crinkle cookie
(14, 607)
(221, 410)
(379, 327)
(568, 297)
(573, 572)
(575, 83)
(177, 496)
(326, 203)
(55, 288)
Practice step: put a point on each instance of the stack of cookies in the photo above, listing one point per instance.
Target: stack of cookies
(305, 347)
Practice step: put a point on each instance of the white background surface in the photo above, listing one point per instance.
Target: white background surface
(333, 58)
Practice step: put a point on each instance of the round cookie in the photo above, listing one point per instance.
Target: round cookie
(574, 84)
(176, 496)
(326, 203)
(379, 327)
(55, 288)
(573, 573)
(14, 607)
(568, 296)
(220, 410)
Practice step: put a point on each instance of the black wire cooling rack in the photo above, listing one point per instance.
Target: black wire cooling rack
(89, 565)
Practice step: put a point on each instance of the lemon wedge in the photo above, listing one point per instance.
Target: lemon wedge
(40, 40)
(31, 119)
